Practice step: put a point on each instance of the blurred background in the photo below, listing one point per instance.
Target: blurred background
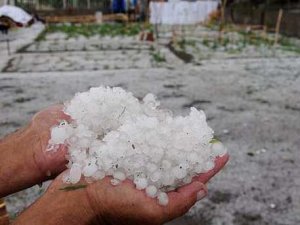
(238, 60)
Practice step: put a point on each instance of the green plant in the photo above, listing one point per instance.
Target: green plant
(158, 57)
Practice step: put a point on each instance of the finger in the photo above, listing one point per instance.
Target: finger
(50, 116)
(184, 198)
(220, 162)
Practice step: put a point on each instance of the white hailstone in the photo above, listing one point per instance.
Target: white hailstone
(59, 135)
(75, 174)
(66, 178)
(187, 179)
(119, 175)
(168, 179)
(151, 167)
(199, 168)
(151, 191)
(155, 176)
(113, 134)
(179, 172)
(115, 182)
(209, 165)
(163, 198)
(99, 175)
(89, 170)
(166, 164)
(150, 100)
(140, 183)
(218, 149)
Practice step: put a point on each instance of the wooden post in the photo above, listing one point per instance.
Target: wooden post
(278, 23)
(8, 47)
(64, 4)
(224, 3)
(89, 4)
(222, 23)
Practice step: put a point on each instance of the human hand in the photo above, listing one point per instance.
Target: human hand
(28, 163)
(101, 203)
(24, 160)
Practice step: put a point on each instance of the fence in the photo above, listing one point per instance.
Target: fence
(267, 15)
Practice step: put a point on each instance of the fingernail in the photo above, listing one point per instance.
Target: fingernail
(201, 194)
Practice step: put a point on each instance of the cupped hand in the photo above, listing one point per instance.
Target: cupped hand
(101, 203)
(24, 160)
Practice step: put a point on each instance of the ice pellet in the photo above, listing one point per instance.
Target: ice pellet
(163, 198)
(119, 175)
(151, 191)
(140, 183)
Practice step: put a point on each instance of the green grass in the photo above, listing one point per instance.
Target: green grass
(88, 30)
(287, 45)
(158, 57)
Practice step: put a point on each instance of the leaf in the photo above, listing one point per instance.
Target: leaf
(73, 187)
(214, 140)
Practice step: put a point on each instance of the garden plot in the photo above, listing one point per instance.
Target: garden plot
(94, 53)
(66, 61)
(90, 47)
(96, 43)
(203, 43)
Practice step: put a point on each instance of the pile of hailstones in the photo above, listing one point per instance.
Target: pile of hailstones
(113, 134)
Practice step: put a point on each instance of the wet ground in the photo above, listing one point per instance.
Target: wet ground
(252, 103)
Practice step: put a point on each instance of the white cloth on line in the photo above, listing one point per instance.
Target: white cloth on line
(181, 12)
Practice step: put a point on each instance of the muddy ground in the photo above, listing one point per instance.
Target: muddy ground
(252, 103)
